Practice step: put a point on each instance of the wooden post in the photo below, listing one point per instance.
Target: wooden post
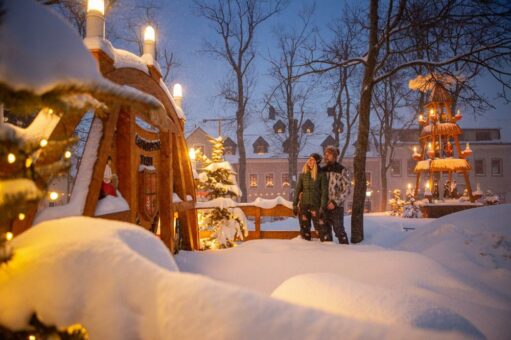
(104, 149)
(165, 195)
(258, 223)
(127, 161)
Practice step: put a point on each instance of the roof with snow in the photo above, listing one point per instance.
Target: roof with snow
(259, 129)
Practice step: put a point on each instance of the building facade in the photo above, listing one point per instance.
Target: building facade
(268, 175)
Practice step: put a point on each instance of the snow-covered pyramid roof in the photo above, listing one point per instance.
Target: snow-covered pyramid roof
(41, 54)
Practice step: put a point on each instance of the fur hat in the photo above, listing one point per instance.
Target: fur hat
(333, 150)
(316, 156)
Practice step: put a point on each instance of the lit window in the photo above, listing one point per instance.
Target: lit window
(260, 149)
(253, 180)
(228, 150)
(269, 180)
(496, 167)
(395, 167)
(479, 167)
(285, 180)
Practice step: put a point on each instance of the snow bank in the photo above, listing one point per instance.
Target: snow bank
(471, 241)
(111, 204)
(117, 280)
(350, 298)
(271, 203)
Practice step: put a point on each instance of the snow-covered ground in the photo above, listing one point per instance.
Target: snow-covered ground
(447, 273)
(446, 278)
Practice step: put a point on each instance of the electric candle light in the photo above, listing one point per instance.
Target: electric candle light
(178, 90)
(149, 33)
(192, 154)
(96, 5)
(11, 158)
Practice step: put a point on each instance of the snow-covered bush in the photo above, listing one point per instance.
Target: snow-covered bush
(412, 209)
(396, 203)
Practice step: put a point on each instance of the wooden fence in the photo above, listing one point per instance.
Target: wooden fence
(258, 212)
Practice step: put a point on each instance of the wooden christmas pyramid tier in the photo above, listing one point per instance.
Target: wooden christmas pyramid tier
(442, 129)
(443, 164)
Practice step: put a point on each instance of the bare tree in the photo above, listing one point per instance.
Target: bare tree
(389, 99)
(292, 92)
(235, 23)
(487, 43)
(344, 81)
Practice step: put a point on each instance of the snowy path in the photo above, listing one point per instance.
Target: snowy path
(459, 263)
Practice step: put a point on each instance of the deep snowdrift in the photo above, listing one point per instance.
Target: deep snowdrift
(120, 282)
(449, 273)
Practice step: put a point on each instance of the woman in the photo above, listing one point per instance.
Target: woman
(311, 195)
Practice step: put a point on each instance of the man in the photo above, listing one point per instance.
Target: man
(338, 189)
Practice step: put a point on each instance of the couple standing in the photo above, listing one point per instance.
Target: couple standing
(320, 195)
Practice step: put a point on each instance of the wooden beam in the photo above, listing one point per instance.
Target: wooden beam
(165, 192)
(126, 161)
(105, 146)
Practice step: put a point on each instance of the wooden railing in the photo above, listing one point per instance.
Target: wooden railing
(257, 213)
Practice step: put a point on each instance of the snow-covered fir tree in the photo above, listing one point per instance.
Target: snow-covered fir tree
(217, 178)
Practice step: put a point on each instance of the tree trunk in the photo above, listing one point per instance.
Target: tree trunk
(240, 129)
(359, 163)
(383, 176)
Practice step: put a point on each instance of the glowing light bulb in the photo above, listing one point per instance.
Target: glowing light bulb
(8, 236)
(21, 216)
(414, 149)
(149, 33)
(427, 185)
(96, 5)
(178, 90)
(28, 162)
(67, 154)
(421, 118)
(43, 142)
(54, 196)
(11, 158)
(409, 186)
(430, 147)
(192, 154)
(431, 112)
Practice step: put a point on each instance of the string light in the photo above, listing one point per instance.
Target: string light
(11, 158)
(67, 154)
(28, 162)
(43, 142)
(54, 196)
(9, 236)
(21, 216)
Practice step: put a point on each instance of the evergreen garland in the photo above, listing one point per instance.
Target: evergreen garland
(39, 330)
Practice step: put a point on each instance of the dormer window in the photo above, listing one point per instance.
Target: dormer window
(229, 147)
(329, 141)
(337, 127)
(308, 127)
(260, 146)
(279, 127)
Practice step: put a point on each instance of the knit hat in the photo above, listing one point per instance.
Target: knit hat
(316, 156)
(333, 150)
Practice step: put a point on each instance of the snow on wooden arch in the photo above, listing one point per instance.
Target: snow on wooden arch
(122, 93)
(170, 161)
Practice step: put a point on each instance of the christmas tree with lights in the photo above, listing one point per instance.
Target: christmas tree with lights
(217, 178)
